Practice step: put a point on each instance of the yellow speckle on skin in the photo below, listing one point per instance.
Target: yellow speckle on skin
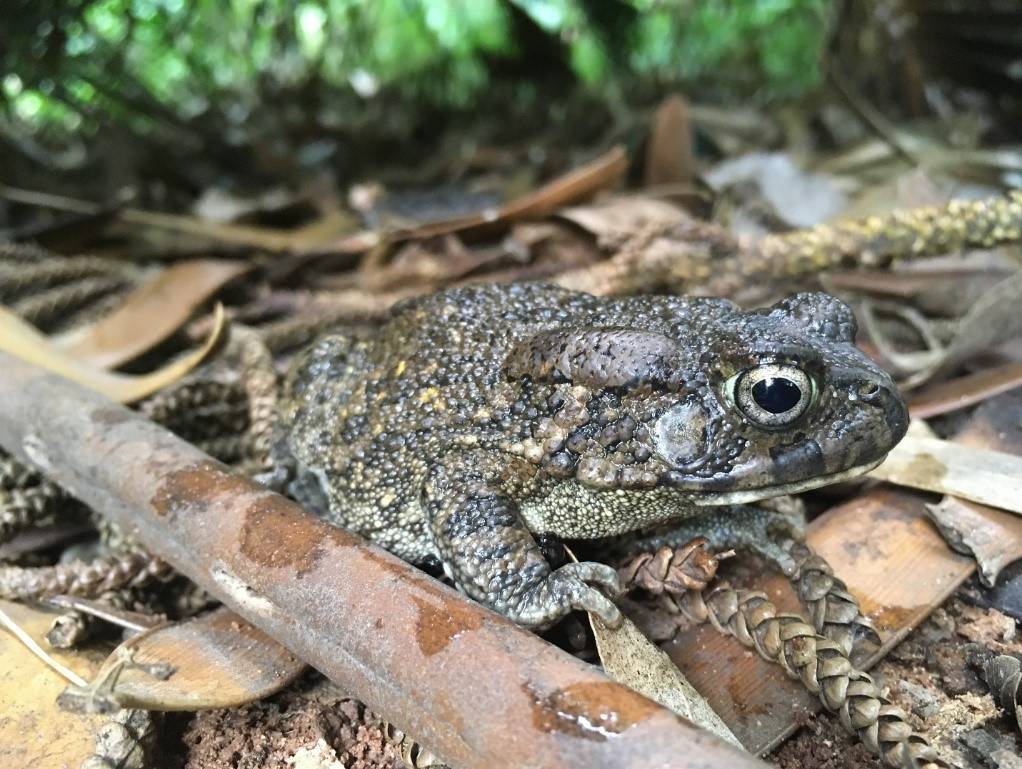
(387, 499)
(429, 394)
(399, 369)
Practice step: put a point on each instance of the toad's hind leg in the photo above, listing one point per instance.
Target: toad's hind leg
(491, 555)
(779, 537)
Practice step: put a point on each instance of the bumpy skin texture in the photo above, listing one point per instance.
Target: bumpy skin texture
(475, 418)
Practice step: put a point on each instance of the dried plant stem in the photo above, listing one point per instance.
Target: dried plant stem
(15, 630)
(875, 241)
(701, 257)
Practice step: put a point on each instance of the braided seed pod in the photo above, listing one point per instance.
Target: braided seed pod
(259, 378)
(15, 475)
(199, 408)
(73, 627)
(123, 742)
(872, 242)
(834, 612)
(20, 280)
(54, 308)
(89, 579)
(671, 571)
(21, 508)
(232, 449)
(1003, 675)
(23, 253)
(412, 753)
(821, 665)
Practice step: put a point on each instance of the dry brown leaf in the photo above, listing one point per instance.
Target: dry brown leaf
(912, 284)
(574, 186)
(630, 658)
(23, 341)
(150, 314)
(217, 660)
(669, 157)
(990, 536)
(980, 475)
(965, 391)
(617, 219)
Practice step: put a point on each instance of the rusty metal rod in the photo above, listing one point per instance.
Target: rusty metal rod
(473, 687)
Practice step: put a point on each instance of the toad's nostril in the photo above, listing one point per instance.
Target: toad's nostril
(867, 390)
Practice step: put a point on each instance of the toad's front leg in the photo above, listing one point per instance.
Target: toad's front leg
(490, 554)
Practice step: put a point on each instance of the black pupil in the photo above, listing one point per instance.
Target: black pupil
(776, 394)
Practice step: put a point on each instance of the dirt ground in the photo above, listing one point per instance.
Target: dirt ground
(309, 726)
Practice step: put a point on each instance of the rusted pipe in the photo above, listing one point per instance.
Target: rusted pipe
(473, 687)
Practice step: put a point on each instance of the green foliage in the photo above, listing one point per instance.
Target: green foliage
(769, 48)
(142, 62)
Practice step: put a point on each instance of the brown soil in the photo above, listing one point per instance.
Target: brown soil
(309, 726)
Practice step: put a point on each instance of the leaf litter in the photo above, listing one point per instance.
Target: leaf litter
(277, 276)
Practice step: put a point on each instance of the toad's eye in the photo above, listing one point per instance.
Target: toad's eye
(773, 396)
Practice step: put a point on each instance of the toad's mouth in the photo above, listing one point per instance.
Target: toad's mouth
(741, 496)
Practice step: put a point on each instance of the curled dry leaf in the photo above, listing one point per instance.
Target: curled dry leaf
(990, 536)
(980, 475)
(23, 341)
(150, 314)
(217, 660)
